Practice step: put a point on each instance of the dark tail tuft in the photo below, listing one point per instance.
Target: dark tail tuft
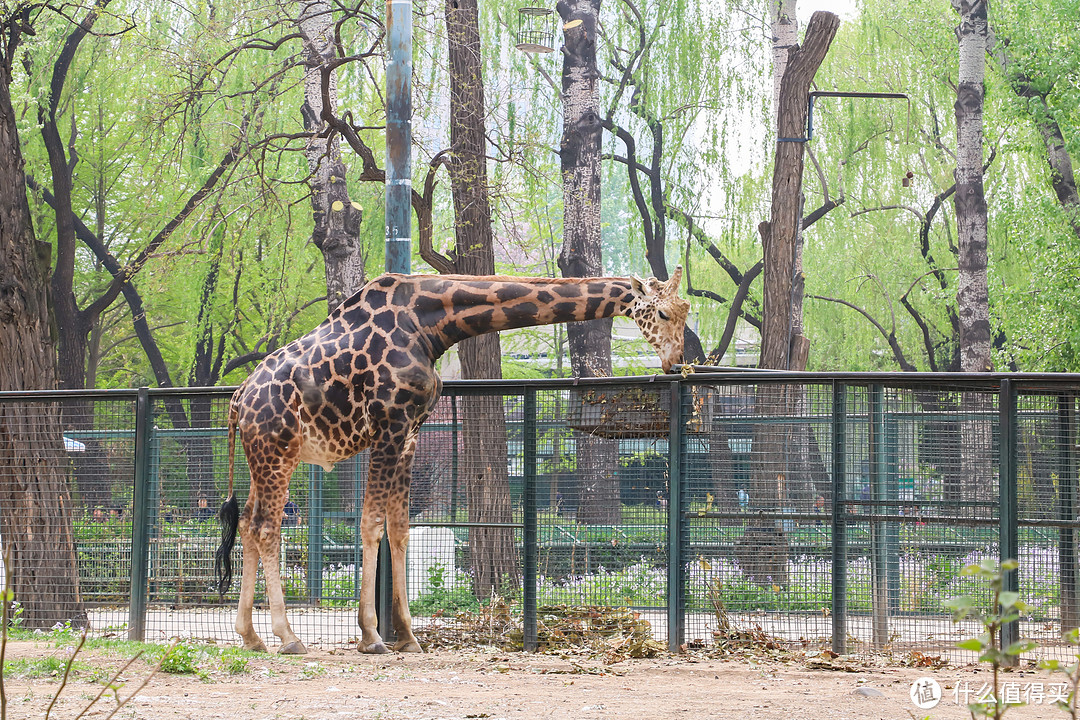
(229, 515)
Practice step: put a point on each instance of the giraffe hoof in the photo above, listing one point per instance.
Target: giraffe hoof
(294, 648)
(376, 648)
(408, 646)
(259, 646)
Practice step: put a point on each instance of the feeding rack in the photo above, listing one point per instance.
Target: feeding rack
(535, 30)
(634, 412)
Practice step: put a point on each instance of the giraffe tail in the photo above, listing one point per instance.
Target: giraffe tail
(229, 515)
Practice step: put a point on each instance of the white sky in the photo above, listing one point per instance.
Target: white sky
(805, 8)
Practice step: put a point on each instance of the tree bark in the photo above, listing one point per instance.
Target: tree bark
(487, 483)
(589, 342)
(780, 471)
(36, 514)
(336, 218)
(973, 294)
(780, 235)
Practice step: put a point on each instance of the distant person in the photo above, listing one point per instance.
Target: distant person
(290, 515)
(203, 511)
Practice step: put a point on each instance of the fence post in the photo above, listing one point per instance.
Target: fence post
(839, 526)
(1066, 439)
(140, 520)
(529, 533)
(879, 556)
(676, 590)
(1008, 542)
(315, 533)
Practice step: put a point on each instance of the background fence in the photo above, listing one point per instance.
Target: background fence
(823, 509)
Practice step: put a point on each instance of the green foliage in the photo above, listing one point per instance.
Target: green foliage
(441, 599)
(1005, 607)
(180, 659)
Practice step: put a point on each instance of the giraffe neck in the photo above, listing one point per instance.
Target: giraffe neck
(450, 308)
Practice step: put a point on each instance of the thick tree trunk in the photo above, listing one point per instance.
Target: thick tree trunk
(35, 516)
(780, 471)
(589, 342)
(780, 235)
(336, 218)
(973, 295)
(487, 483)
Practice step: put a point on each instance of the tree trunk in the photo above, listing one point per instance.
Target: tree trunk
(781, 451)
(973, 295)
(780, 235)
(487, 483)
(35, 516)
(336, 218)
(590, 342)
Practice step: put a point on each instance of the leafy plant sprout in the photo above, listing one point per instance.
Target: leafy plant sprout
(1005, 607)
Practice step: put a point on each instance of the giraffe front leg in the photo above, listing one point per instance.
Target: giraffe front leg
(244, 626)
(397, 529)
(270, 550)
(371, 529)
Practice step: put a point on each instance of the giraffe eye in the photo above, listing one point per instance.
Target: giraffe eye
(663, 315)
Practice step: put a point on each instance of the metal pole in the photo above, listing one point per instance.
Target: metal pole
(315, 533)
(839, 528)
(676, 590)
(1008, 540)
(398, 209)
(1066, 438)
(530, 535)
(399, 136)
(879, 557)
(140, 521)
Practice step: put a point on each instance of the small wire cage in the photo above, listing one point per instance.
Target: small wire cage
(535, 30)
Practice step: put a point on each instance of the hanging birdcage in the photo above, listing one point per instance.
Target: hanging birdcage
(535, 32)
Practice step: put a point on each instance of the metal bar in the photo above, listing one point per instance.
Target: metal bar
(530, 534)
(384, 591)
(1066, 440)
(839, 527)
(398, 136)
(879, 557)
(891, 528)
(1009, 540)
(140, 521)
(315, 533)
(676, 578)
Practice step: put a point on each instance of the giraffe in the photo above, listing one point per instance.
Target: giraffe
(365, 378)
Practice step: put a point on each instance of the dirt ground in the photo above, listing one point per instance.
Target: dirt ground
(488, 683)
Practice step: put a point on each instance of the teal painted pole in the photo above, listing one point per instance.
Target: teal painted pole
(315, 533)
(399, 136)
(839, 524)
(1008, 541)
(140, 521)
(676, 590)
(530, 534)
(398, 210)
(879, 556)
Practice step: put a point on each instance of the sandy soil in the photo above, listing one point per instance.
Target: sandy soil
(489, 683)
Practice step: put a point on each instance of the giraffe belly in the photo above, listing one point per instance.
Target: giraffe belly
(317, 449)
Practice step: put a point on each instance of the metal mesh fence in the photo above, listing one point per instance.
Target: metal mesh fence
(821, 510)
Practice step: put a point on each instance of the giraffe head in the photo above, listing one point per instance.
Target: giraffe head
(661, 314)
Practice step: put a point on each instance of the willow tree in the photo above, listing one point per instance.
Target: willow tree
(36, 515)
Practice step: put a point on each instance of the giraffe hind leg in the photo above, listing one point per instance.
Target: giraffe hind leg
(397, 530)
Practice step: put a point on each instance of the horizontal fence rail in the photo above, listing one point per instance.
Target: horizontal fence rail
(819, 509)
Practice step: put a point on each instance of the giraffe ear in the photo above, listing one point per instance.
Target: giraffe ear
(637, 285)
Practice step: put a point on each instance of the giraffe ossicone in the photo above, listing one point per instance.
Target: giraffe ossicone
(365, 378)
